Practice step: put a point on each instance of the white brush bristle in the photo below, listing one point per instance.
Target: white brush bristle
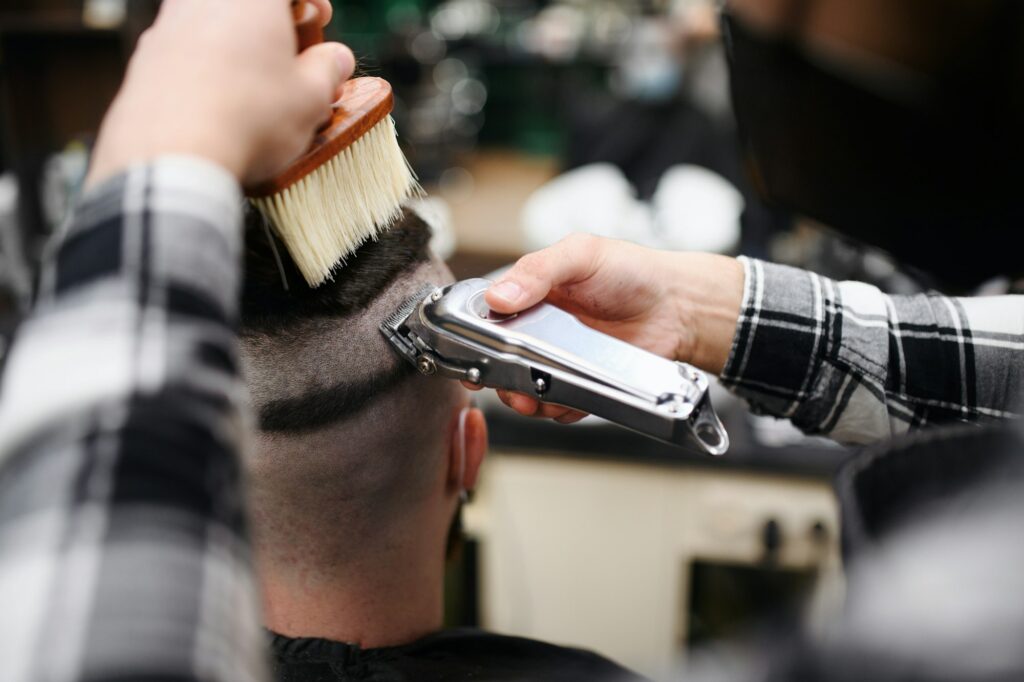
(327, 215)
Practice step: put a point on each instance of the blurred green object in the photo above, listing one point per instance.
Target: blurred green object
(520, 111)
(366, 24)
(527, 95)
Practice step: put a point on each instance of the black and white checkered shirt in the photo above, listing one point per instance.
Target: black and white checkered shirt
(846, 360)
(123, 553)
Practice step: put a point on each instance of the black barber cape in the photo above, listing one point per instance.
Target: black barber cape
(458, 654)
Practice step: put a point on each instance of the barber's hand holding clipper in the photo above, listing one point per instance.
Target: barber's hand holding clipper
(682, 306)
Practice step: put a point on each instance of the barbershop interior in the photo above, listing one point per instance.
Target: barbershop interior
(832, 492)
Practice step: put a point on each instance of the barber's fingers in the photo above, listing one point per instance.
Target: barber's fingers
(325, 10)
(523, 404)
(574, 259)
(323, 69)
(531, 407)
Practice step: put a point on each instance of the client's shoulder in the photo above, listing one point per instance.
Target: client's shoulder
(456, 654)
(491, 656)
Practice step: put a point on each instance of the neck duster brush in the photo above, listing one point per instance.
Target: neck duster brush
(350, 185)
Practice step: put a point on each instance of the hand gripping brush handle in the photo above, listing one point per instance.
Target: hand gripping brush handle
(349, 185)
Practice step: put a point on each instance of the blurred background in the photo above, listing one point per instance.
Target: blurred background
(527, 120)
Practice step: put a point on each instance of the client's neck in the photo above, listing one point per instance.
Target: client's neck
(387, 595)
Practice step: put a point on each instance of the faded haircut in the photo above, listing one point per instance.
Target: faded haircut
(318, 354)
(350, 437)
(279, 309)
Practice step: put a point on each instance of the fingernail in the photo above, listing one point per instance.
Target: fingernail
(509, 292)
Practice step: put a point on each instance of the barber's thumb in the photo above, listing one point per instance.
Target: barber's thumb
(525, 285)
(507, 296)
(535, 275)
(325, 68)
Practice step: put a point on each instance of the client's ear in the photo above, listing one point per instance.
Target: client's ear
(468, 447)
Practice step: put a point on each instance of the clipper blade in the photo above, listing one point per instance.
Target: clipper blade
(393, 322)
(392, 325)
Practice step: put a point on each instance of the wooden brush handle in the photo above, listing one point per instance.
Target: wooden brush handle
(308, 28)
(307, 24)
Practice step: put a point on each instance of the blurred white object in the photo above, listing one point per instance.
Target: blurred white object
(693, 209)
(600, 554)
(697, 210)
(650, 66)
(14, 273)
(943, 593)
(556, 33)
(595, 199)
(436, 213)
(104, 13)
(457, 19)
(779, 433)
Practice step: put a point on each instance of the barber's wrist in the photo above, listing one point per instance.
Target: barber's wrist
(123, 143)
(103, 169)
(707, 291)
(184, 183)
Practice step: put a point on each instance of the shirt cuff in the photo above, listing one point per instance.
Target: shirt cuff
(782, 336)
(217, 191)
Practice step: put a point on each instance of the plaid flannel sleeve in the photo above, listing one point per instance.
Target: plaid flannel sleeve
(123, 552)
(845, 360)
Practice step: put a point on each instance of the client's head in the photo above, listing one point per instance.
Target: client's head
(359, 461)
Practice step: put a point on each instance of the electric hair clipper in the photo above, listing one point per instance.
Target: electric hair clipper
(548, 353)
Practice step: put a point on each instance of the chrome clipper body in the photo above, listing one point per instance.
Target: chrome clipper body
(548, 353)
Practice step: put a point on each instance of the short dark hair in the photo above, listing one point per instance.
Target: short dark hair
(276, 298)
(277, 303)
